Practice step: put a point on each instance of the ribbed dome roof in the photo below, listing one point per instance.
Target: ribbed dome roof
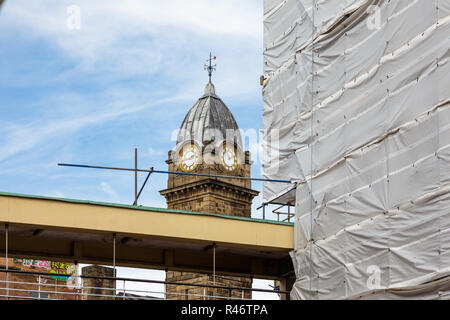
(208, 120)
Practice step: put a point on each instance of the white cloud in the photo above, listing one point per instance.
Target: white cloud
(138, 37)
(106, 188)
(154, 41)
(213, 17)
(18, 138)
(106, 23)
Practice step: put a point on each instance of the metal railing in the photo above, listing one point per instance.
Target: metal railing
(30, 285)
(289, 215)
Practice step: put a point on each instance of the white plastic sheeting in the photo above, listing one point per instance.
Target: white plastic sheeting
(357, 104)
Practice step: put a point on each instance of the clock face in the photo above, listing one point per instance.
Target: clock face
(229, 158)
(189, 158)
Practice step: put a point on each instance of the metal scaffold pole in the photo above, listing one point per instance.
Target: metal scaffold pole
(214, 267)
(311, 152)
(172, 173)
(214, 264)
(135, 177)
(114, 260)
(6, 256)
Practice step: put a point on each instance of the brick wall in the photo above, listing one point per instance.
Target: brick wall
(99, 289)
(180, 292)
(26, 287)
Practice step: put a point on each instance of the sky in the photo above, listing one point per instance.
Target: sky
(88, 81)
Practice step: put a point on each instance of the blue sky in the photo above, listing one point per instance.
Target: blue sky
(124, 79)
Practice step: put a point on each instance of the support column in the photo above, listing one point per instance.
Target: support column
(286, 284)
(6, 260)
(98, 289)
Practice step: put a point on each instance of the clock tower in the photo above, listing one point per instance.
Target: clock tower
(209, 143)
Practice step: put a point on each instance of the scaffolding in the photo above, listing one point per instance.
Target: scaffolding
(356, 112)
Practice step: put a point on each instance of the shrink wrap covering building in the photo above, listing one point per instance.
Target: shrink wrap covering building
(357, 113)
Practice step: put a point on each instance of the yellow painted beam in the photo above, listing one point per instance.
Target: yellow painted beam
(72, 215)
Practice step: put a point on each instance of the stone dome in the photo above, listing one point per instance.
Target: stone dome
(209, 121)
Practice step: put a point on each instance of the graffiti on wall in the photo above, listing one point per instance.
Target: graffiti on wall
(30, 263)
(62, 268)
(49, 266)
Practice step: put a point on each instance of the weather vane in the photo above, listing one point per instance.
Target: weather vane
(210, 67)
